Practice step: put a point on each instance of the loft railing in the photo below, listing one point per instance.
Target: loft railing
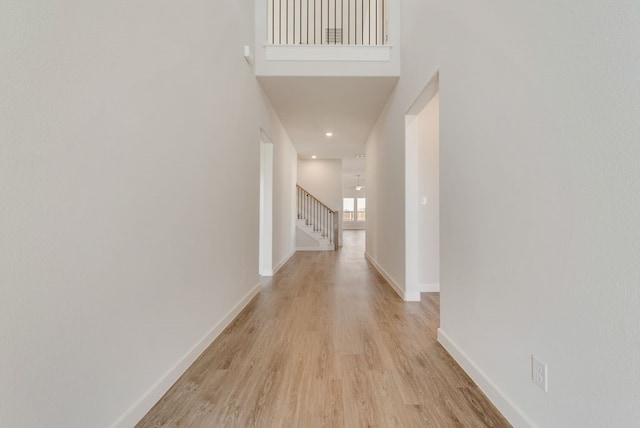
(317, 215)
(327, 22)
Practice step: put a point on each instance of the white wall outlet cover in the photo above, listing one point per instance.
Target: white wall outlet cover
(539, 373)
(247, 54)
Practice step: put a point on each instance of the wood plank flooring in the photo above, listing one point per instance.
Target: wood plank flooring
(327, 343)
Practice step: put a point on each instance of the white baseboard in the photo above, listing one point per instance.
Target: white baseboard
(140, 408)
(429, 288)
(320, 248)
(412, 296)
(283, 262)
(407, 297)
(510, 411)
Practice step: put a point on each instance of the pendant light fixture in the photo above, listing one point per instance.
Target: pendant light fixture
(358, 186)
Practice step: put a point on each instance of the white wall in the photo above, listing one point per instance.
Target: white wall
(361, 225)
(285, 162)
(539, 224)
(353, 193)
(323, 179)
(124, 242)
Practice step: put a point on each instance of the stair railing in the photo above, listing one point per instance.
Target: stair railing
(327, 22)
(320, 217)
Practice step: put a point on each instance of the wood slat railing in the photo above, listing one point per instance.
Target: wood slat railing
(327, 22)
(316, 214)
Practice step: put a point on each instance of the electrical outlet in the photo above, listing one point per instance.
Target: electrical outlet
(539, 373)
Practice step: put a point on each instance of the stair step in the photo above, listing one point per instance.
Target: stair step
(321, 243)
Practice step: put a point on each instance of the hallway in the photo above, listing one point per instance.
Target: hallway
(327, 343)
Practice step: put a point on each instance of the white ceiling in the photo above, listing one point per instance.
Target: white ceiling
(347, 106)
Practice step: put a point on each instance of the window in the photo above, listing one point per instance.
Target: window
(348, 209)
(361, 205)
(354, 209)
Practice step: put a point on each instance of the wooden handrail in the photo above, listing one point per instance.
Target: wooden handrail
(309, 193)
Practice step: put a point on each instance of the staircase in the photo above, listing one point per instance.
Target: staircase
(317, 224)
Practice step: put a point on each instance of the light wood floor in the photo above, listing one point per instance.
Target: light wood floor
(327, 343)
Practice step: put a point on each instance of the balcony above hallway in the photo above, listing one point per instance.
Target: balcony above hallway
(327, 38)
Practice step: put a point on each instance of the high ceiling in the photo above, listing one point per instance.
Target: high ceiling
(309, 107)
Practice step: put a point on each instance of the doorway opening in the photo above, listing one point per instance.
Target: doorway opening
(422, 193)
(265, 259)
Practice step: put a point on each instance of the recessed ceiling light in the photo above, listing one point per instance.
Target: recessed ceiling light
(329, 134)
(360, 156)
(314, 157)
